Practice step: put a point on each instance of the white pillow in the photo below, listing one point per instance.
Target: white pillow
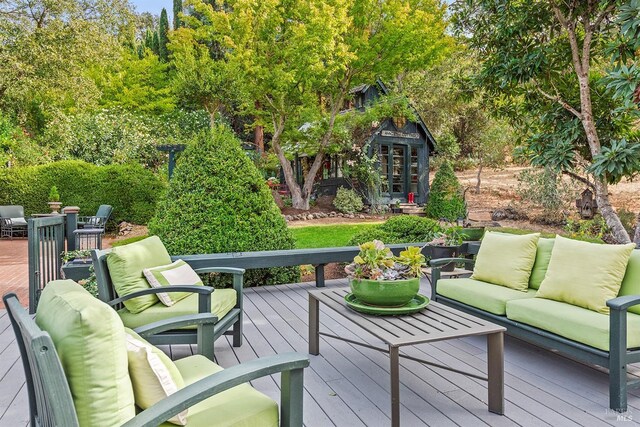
(153, 375)
(176, 273)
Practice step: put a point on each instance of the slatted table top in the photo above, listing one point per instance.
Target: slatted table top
(435, 323)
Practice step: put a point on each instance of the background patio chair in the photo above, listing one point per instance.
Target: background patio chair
(226, 304)
(214, 396)
(12, 221)
(90, 229)
(99, 220)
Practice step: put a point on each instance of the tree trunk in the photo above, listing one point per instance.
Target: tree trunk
(609, 214)
(478, 178)
(636, 237)
(258, 139)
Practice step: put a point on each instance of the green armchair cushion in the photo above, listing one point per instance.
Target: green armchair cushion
(222, 301)
(631, 281)
(585, 274)
(176, 273)
(543, 256)
(506, 260)
(570, 321)
(482, 295)
(125, 268)
(90, 340)
(240, 406)
(154, 376)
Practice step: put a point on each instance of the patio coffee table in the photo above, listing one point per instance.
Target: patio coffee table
(435, 323)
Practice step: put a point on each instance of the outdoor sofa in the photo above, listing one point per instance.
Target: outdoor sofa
(589, 317)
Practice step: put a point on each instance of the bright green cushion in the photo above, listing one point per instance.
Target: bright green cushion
(543, 256)
(482, 295)
(222, 301)
(585, 274)
(90, 340)
(631, 281)
(125, 268)
(241, 406)
(506, 260)
(570, 321)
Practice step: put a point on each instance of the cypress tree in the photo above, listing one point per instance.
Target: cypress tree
(177, 10)
(155, 44)
(163, 36)
(148, 39)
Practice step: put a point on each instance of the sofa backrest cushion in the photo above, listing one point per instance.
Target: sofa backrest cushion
(585, 274)
(11, 211)
(125, 268)
(506, 260)
(631, 281)
(90, 340)
(543, 256)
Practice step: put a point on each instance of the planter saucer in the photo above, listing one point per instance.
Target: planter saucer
(416, 304)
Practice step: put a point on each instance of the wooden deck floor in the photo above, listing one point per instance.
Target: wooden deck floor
(348, 385)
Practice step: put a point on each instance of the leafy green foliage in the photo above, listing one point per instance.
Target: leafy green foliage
(620, 159)
(400, 229)
(589, 229)
(132, 190)
(347, 201)
(16, 148)
(218, 202)
(54, 196)
(544, 188)
(445, 198)
(163, 36)
(177, 10)
(377, 262)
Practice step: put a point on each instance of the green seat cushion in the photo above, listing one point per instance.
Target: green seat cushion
(585, 274)
(125, 268)
(240, 406)
(222, 301)
(90, 340)
(631, 281)
(543, 256)
(506, 260)
(482, 295)
(575, 323)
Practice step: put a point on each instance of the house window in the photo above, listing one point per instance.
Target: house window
(397, 184)
(413, 177)
(384, 163)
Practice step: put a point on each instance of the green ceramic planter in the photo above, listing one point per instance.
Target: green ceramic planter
(385, 293)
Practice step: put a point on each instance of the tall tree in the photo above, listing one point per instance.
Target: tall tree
(543, 60)
(155, 43)
(177, 10)
(299, 59)
(163, 36)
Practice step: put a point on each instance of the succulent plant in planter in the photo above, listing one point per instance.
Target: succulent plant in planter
(379, 278)
(445, 245)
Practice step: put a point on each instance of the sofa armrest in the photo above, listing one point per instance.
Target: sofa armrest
(204, 298)
(290, 364)
(623, 303)
(436, 266)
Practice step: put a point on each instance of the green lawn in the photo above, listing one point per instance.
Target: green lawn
(326, 236)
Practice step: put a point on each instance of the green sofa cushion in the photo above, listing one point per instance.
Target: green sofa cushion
(482, 295)
(222, 301)
(153, 374)
(585, 274)
(90, 341)
(506, 260)
(240, 406)
(572, 322)
(543, 256)
(631, 281)
(125, 268)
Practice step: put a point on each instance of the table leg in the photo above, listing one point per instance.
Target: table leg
(495, 368)
(314, 326)
(394, 360)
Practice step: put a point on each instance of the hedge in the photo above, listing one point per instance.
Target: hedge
(400, 229)
(218, 202)
(132, 190)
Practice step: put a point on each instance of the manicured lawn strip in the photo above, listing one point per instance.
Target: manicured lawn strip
(326, 236)
(521, 231)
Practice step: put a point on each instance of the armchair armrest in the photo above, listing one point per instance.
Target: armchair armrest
(176, 323)
(623, 303)
(238, 279)
(204, 298)
(290, 364)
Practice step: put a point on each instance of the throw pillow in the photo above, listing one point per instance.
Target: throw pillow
(176, 273)
(543, 256)
(154, 376)
(506, 260)
(585, 274)
(125, 268)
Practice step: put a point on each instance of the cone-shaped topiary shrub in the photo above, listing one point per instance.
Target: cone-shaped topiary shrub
(217, 202)
(445, 198)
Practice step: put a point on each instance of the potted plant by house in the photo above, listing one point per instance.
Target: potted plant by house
(446, 245)
(378, 278)
(54, 200)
